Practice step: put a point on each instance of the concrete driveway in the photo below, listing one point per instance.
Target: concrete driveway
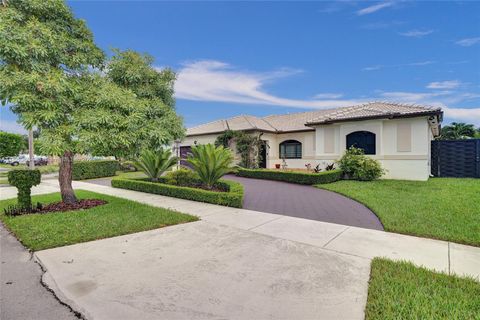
(202, 270)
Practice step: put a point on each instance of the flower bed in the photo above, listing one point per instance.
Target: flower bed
(231, 197)
(292, 176)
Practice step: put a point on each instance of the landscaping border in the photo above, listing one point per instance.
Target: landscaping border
(292, 176)
(231, 198)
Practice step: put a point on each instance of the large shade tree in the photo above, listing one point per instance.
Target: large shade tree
(53, 76)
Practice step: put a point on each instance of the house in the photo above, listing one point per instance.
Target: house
(397, 135)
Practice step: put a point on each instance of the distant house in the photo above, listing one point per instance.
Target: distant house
(397, 135)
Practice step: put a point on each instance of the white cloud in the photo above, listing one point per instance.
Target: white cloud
(413, 97)
(450, 84)
(373, 68)
(328, 96)
(416, 33)
(12, 126)
(210, 80)
(374, 8)
(443, 99)
(216, 81)
(412, 64)
(468, 115)
(467, 42)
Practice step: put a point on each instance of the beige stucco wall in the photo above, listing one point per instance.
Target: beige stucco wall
(413, 164)
(325, 145)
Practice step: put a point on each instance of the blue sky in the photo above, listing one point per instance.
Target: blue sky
(265, 58)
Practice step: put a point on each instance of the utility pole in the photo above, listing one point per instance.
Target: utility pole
(31, 163)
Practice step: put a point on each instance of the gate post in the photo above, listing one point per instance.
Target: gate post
(477, 157)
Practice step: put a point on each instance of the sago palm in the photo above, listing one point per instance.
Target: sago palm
(211, 163)
(155, 163)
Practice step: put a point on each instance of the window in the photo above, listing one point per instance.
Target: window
(291, 149)
(362, 139)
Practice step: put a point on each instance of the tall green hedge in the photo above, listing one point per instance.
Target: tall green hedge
(291, 176)
(94, 169)
(10, 144)
(231, 198)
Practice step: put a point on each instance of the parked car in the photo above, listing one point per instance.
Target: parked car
(15, 161)
(38, 161)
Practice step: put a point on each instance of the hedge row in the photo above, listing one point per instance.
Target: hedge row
(292, 176)
(231, 198)
(94, 169)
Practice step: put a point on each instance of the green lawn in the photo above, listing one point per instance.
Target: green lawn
(117, 217)
(399, 290)
(440, 208)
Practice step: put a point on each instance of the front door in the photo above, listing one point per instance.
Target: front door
(184, 152)
(263, 155)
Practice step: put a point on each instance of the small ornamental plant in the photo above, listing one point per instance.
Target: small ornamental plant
(356, 165)
(24, 180)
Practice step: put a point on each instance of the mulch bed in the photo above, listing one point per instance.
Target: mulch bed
(39, 208)
(80, 204)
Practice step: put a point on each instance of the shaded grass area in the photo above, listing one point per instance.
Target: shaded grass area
(117, 217)
(440, 208)
(399, 290)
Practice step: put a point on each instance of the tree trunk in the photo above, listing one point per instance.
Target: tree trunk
(65, 178)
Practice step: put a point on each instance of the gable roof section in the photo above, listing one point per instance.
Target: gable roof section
(303, 121)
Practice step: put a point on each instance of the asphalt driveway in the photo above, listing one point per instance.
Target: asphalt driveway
(305, 202)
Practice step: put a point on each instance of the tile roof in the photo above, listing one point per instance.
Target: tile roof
(373, 110)
(303, 120)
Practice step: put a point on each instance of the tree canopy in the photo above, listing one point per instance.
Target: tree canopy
(10, 144)
(53, 74)
(56, 79)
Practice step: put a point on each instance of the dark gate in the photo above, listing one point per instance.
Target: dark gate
(456, 158)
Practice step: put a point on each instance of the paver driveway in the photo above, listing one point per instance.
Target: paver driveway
(305, 202)
(298, 201)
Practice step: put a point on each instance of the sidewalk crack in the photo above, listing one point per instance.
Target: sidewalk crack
(265, 223)
(328, 242)
(77, 314)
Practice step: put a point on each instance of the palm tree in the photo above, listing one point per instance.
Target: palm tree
(457, 130)
(155, 163)
(211, 163)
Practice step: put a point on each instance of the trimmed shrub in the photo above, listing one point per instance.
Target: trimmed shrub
(233, 197)
(182, 178)
(94, 169)
(292, 176)
(356, 165)
(24, 180)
